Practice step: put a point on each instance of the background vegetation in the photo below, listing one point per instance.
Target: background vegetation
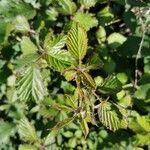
(74, 74)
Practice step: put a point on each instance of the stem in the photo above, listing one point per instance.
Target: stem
(139, 56)
(98, 98)
(79, 92)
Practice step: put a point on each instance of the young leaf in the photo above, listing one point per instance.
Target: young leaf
(59, 59)
(88, 80)
(88, 3)
(27, 46)
(108, 117)
(101, 34)
(85, 127)
(115, 40)
(26, 60)
(70, 74)
(21, 24)
(63, 123)
(77, 42)
(11, 8)
(111, 85)
(62, 107)
(70, 100)
(6, 130)
(27, 147)
(87, 21)
(54, 43)
(27, 131)
(94, 62)
(31, 85)
(68, 7)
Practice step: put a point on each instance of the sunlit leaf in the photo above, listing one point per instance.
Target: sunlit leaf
(58, 59)
(77, 42)
(110, 85)
(84, 127)
(87, 21)
(27, 131)
(108, 117)
(68, 7)
(6, 131)
(27, 46)
(27, 147)
(87, 3)
(21, 24)
(63, 123)
(31, 85)
(87, 79)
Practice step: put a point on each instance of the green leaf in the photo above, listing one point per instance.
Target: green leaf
(21, 24)
(94, 62)
(122, 77)
(88, 80)
(6, 28)
(34, 3)
(52, 13)
(70, 101)
(27, 131)
(110, 85)
(72, 143)
(77, 42)
(31, 85)
(68, 7)
(142, 140)
(68, 134)
(143, 92)
(59, 59)
(115, 40)
(105, 15)
(27, 46)
(101, 34)
(109, 65)
(147, 64)
(50, 138)
(86, 20)
(27, 147)
(6, 131)
(140, 124)
(61, 107)
(54, 43)
(84, 127)
(11, 8)
(70, 74)
(144, 122)
(108, 117)
(62, 124)
(87, 4)
(26, 60)
(67, 87)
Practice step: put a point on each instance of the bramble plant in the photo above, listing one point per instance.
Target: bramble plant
(74, 74)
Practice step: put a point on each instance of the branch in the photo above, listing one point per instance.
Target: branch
(139, 55)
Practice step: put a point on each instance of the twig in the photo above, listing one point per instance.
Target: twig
(137, 58)
(98, 98)
(139, 55)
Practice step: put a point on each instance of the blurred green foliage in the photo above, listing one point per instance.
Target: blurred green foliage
(73, 76)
